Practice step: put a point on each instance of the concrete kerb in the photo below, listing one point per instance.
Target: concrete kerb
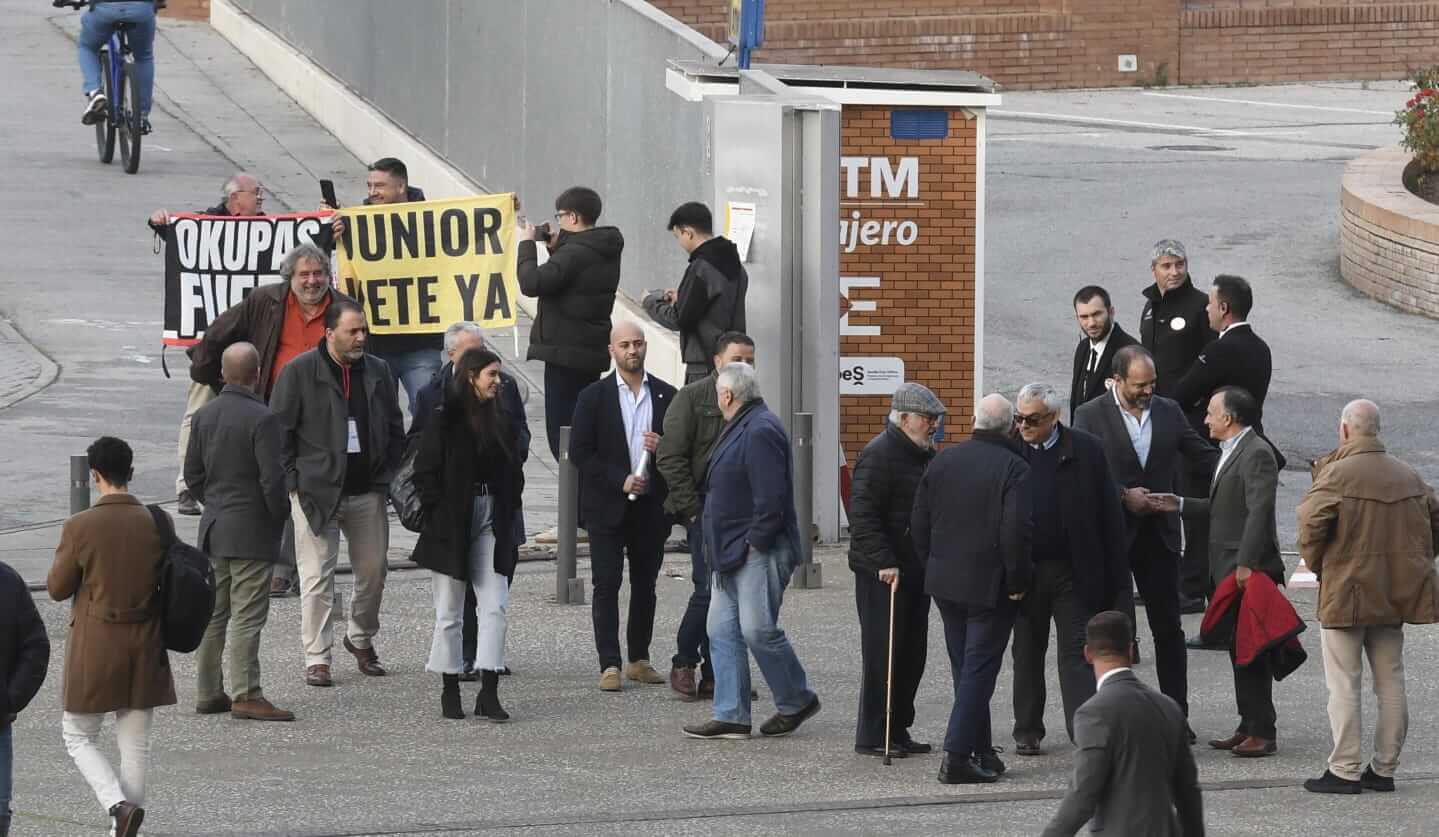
(24, 369)
(370, 134)
(1389, 237)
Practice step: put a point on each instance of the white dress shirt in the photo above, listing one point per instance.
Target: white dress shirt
(1233, 326)
(1107, 675)
(638, 413)
(1096, 351)
(1141, 432)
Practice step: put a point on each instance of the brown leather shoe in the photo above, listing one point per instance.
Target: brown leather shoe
(213, 706)
(259, 709)
(1256, 748)
(367, 660)
(127, 819)
(1229, 743)
(318, 675)
(682, 682)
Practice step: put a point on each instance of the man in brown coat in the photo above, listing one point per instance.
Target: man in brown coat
(115, 658)
(1368, 528)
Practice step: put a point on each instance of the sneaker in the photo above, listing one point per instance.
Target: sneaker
(1373, 781)
(95, 111)
(990, 761)
(1329, 783)
(610, 680)
(185, 502)
(640, 671)
(782, 724)
(718, 730)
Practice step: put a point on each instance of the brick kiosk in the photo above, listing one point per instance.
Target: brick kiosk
(911, 205)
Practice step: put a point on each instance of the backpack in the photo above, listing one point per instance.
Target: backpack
(403, 494)
(186, 588)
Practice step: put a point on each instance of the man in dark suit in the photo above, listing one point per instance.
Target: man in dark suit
(971, 528)
(1079, 566)
(1133, 770)
(1243, 540)
(1175, 328)
(1149, 444)
(1095, 353)
(233, 466)
(617, 424)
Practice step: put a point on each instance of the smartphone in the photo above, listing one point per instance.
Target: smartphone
(327, 192)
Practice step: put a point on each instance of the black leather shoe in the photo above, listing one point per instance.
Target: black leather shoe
(1027, 747)
(1196, 643)
(912, 747)
(1189, 606)
(962, 770)
(1373, 781)
(894, 752)
(782, 724)
(1329, 783)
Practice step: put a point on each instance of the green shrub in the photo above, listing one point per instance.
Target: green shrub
(1420, 120)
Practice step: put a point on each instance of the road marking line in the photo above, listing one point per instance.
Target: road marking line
(1270, 104)
(1099, 120)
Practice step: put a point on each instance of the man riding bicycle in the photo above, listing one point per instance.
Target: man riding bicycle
(96, 27)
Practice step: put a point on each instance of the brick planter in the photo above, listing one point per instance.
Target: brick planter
(1389, 237)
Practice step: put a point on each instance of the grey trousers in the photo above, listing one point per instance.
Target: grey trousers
(242, 604)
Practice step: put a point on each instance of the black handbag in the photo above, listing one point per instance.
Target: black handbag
(403, 495)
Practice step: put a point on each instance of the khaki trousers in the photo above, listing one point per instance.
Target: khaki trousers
(242, 604)
(362, 520)
(1344, 650)
(199, 396)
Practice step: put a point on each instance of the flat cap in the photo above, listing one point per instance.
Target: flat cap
(916, 398)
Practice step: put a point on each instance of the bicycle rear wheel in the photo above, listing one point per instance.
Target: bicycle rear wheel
(105, 126)
(127, 114)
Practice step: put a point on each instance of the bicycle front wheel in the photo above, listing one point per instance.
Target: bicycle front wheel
(127, 114)
(105, 126)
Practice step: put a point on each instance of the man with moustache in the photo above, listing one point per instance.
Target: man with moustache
(1094, 355)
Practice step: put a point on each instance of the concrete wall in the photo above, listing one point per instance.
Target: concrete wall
(529, 97)
(1076, 43)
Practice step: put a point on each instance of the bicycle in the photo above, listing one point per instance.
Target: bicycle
(122, 119)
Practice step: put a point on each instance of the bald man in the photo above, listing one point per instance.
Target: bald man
(232, 465)
(617, 424)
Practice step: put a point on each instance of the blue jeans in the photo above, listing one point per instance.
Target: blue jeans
(744, 615)
(692, 643)
(7, 759)
(412, 370)
(975, 639)
(100, 23)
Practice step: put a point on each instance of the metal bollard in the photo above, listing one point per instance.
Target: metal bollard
(568, 588)
(79, 483)
(807, 574)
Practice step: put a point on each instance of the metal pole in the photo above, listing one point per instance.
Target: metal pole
(807, 574)
(79, 483)
(568, 589)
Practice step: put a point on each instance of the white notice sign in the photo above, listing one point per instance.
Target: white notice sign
(870, 375)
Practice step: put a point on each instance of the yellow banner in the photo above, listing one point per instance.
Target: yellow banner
(419, 267)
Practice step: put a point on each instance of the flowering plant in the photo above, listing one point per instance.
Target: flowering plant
(1420, 120)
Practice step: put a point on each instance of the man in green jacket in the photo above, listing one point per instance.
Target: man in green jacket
(692, 424)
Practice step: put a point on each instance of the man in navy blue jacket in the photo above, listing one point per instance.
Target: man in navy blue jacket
(24, 658)
(752, 543)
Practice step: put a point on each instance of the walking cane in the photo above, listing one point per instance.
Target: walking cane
(889, 677)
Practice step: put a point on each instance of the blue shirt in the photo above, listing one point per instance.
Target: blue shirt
(638, 414)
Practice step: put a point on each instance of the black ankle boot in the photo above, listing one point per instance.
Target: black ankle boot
(450, 697)
(487, 704)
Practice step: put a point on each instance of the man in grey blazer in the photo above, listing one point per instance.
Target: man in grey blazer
(1243, 539)
(232, 466)
(1133, 770)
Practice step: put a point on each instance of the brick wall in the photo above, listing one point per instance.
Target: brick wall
(1076, 43)
(188, 9)
(1389, 237)
(924, 305)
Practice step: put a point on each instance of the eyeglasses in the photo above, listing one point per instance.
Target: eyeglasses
(560, 215)
(1031, 419)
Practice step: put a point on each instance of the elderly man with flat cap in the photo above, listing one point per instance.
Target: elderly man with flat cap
(882, 556)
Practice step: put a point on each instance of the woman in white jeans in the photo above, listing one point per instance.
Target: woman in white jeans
(115, 658)
(469, 479)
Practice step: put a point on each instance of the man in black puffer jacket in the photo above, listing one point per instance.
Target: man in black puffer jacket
(24, 658)
(882, 556)
(710, 298)
(576, 289)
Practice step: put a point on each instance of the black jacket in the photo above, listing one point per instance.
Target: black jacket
(600, 450)
(234, 467)
(882, 490)
(1241, 359)
(576, 289)
(1175, 329)
(709, 301)
(1086, 387)
(971, 524)
(1091, 518)
(24, 647)
(159, 229)
(1174, 449)
(431, 398)
(445, 480)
